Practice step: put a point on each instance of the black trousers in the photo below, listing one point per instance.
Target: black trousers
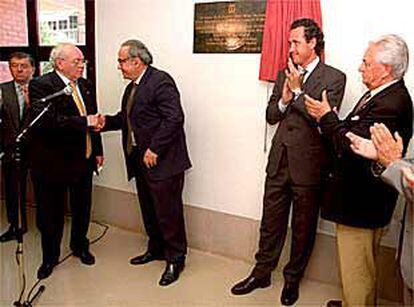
(162, 212)
(280, 195)
(51, 196)
(12, 180)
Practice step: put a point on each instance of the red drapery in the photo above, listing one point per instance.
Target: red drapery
(279, 16)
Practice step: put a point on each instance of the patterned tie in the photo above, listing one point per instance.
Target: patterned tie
(129, 105)
(82, 111)
(363, 101)
(21, 99)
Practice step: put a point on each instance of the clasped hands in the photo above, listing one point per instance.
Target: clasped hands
(96, 122)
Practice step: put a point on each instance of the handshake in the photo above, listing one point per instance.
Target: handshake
(96, 122)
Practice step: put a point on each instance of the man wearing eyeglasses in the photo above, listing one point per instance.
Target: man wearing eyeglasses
(14, 104)
(152, 123)
(64, 152)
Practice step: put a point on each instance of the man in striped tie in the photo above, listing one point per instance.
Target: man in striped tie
(64, 152)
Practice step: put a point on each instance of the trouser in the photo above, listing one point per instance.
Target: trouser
(280, 195)
(357, 251)
(162, 212)
(50, 214)
(15, 187)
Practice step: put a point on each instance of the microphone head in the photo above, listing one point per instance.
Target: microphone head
(68, 90)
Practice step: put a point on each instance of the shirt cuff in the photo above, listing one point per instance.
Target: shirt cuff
(282, 106)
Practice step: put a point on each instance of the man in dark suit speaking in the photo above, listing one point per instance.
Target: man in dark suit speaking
(296, 162)
(64, 152)
(152, 123)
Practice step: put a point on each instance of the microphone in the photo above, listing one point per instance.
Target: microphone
(67, 90)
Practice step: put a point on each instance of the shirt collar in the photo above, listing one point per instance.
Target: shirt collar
(382, 87)
(311, 66)
(140, 76)
(64, 78)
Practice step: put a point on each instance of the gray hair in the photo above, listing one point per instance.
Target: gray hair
(138, 49)
(393, 51)
(59, 52)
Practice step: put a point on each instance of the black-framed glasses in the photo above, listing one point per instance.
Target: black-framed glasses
(123, 61)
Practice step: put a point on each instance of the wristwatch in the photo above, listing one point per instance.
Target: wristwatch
(377, 169)
(297, 92)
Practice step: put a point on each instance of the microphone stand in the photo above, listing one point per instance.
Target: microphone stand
(19, 235)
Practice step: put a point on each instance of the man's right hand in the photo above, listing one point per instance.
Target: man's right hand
(96, 122)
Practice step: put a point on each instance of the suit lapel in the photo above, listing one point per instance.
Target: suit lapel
(11, 96)
(140, 91)
(85, 92)
(314, 80)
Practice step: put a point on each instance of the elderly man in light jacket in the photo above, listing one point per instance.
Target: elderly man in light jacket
(387, 151)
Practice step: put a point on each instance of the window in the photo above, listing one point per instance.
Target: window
(73, 22)
(37, 25)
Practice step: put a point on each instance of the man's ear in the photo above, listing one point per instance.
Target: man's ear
(312, 43)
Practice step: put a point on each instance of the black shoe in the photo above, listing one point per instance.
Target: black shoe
(290, 293)
(145, 258)
(85, 257)
(171, 273)
(334, 303)
(9, 235)
(250, 284)
(45, 270)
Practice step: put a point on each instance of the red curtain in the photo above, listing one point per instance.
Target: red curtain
(279, 16)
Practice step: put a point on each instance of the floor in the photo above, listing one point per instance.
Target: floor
(206, 280)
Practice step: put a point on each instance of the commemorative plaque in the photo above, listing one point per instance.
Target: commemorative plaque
(229, 27)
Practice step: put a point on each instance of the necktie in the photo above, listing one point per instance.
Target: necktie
(82, 111)
(304, 75)
(21, 100)
(363, 101)
(129, 105)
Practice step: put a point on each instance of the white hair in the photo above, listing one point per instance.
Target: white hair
(59, 52)
(393, 51)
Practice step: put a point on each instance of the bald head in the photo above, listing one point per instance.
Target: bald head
(68, 60)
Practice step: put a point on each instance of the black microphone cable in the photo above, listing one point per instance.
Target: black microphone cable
(30, 299)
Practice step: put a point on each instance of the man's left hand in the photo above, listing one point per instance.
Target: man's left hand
(99, 161)
(317, 109)
(361, 146)
(150, 158)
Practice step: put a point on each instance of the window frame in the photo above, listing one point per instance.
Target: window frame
(41, 53)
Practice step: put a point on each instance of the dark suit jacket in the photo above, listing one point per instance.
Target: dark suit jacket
(157, 121)
(58, 142)
(11, 123)
(354, 196)
(297, 131)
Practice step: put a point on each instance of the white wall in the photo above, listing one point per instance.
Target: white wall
(223, 99)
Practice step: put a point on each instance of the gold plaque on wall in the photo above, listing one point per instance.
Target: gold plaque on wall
(229, 27)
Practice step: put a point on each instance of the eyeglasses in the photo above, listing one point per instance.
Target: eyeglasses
(123, 61)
